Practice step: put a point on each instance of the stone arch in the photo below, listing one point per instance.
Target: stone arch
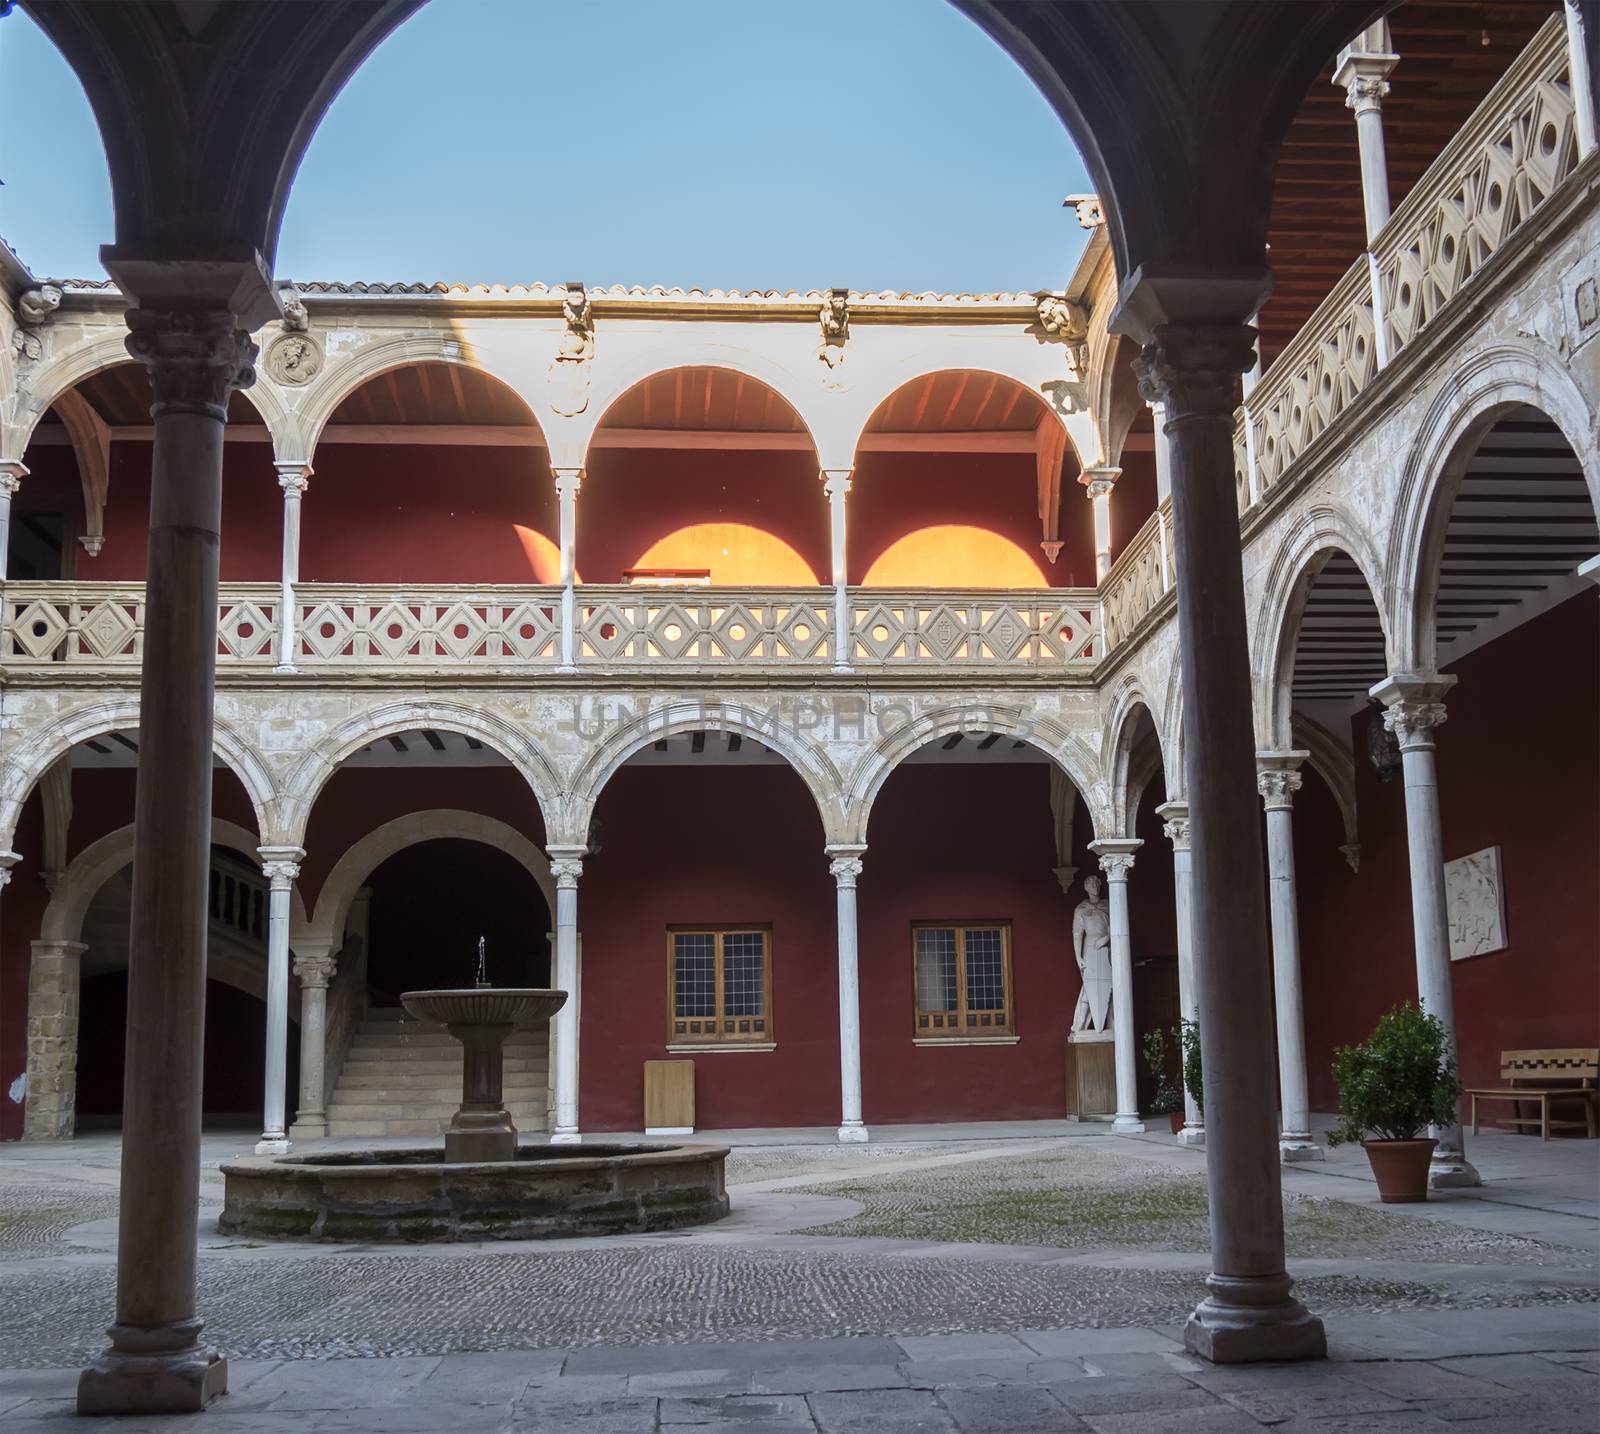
(1314, 537)
(1479, 391)
(1331, 760)
(383, 356)
(108, 350)
(1172, 746)
(104, 857)
(1130, 770)
(613, 381)
(325, 927)
(1057, 742)
(29, 761)
(814, 767)
(335, 746)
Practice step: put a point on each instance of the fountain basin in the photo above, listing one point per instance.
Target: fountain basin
(484, 1006)
(546, 1192)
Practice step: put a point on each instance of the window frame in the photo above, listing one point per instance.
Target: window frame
(964, 1032)
(721, 1039)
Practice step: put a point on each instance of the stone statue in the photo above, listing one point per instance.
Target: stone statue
(34, 306)
(1091, 946)
(569, 370)
(295, 318)
(834, 317)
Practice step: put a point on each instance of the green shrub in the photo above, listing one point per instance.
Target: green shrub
(1189, 1036)
(1169, 1093)
(1398, 1081)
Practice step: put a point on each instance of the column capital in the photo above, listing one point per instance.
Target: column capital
(1192, 369)
(1363, 67)
(12, 472)
(1413, 707)
(195, 358)
(1116, 855)
(59, 949)
(1175, 823)
(836, 481)
(281, 865)
(315, 967)
(8, 859)
(293, 478)
(568, 481)
(844, 863)
(566, 865)
(1278, 778)
(1100, 480)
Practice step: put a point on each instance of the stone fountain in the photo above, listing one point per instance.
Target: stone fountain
(481, 1185)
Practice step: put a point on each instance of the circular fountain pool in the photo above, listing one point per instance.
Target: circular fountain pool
(546, 1192)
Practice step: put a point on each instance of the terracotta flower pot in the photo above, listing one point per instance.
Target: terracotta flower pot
(1177, 1121)
(1400, 1168)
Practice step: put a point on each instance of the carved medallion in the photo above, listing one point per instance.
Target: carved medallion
(294, 358)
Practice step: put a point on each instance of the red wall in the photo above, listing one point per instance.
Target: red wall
(1532, 791)
(22, 905)
(724, 845)
(1132, 500)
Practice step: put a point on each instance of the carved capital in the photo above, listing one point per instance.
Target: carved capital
(569, 481)
(1413, 723)
(1099, 481)
(1175, 823)
(836, 482)
(280, 865)
(12, 472)
(8, 859)
(1193, 370)
(196, 358)
(314, 971)
(1116, 856)
(566, 871)
(844, 863)
(1277, 788)
(1364, 93)
(294, 479)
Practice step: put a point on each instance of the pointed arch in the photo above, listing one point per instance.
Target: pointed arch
(1061, 745)
(28, 762)
(771, 729)
(331, 750)
(1479, 391)
(1305, 547)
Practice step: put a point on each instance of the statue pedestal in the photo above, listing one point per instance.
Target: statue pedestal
(1091, 1075)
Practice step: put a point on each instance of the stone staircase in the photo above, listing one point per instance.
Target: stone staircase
(402, 1077)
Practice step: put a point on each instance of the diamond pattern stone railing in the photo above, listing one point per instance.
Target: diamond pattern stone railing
(1517, 147)
(100, 626)
(953, 629)
(1141, 576)
(709, 627)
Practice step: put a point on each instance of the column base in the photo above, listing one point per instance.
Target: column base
(853, 1132)
(1298, 1149)
(1194, 1135)
(309, 1130)
(285, 667)
(272, 1145)
(1451, 1170)
(1127, 1125)
(566, 670)
(566, 1137)
(1247, 1320)
(180, 1382)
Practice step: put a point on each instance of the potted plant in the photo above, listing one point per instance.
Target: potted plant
(1392, 1087)
(1189, 1038)
(1168, 1099)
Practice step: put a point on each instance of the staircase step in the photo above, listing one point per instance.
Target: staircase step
(365, 1062)
(408, 1095)
(521, 1111)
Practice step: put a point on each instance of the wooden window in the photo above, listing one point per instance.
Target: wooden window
(719, 985)
(963, 979)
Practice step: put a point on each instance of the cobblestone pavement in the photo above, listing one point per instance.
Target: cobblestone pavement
(986, 1284)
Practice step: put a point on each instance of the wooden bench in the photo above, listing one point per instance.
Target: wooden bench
(1578, 1068)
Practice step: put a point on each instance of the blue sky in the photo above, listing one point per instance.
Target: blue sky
(724, 143)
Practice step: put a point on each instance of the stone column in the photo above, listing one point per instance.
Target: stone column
(1116, 861)
(293, 478)
(1362, 71)
(12, 472)
(1578, 73)
(315, 970)
(845, 865)
(1414, 708)
(50, 1112)
(568, 482)
(1099, 482)
(566, 866)
(1193, 354)
(195, 357)
(1278, 779)
(836, 483)
(1175, 825)
(281, 866)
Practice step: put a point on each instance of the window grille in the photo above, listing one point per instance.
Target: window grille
(963, 979)
(719, 985)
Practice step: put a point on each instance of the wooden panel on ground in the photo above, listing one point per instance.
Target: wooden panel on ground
(669, 1097)
(1091, 1079)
